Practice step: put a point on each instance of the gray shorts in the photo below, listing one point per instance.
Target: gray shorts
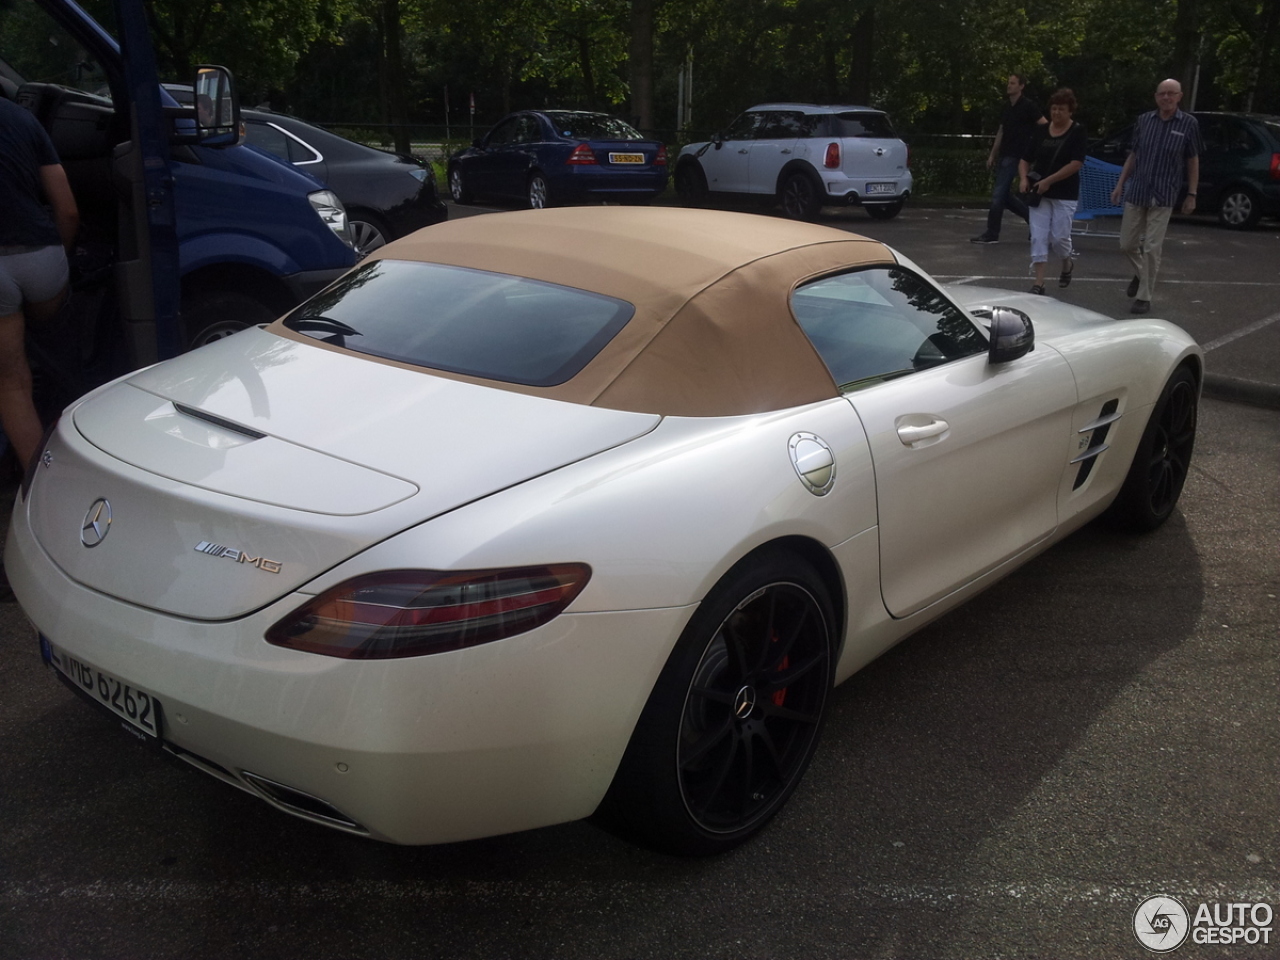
(34, 275)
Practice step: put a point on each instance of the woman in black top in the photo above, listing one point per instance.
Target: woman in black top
(1051, 168)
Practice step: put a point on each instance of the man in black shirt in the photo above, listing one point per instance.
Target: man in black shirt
(1017, 121)
(33, 264)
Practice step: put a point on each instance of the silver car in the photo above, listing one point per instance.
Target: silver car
(804, 156)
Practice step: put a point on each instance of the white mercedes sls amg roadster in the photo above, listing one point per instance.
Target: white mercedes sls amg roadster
(541, 515)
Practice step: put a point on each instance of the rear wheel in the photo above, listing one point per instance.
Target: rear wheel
(539, 192)
(1240, 209)
(883, 211)
(367, 234)
(800, 197)
(735, 716)
(1162, 460)
(691, 185)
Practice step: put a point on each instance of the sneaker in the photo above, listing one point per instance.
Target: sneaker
(1132, 289)
(984, 238)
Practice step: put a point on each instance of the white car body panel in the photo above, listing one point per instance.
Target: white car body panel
(363, 466)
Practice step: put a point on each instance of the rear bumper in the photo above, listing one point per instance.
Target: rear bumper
(602, 183)
(507, 736)
(862, 191)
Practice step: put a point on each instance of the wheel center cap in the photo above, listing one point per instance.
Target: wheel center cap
(744, 703)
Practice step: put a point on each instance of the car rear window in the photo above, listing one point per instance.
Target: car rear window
(593, 126)
(863, 124)
(489, 325)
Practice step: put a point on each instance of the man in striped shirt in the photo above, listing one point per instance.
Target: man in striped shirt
(1166, 148)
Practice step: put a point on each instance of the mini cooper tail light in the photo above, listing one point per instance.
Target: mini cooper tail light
(661, 159)
(1275, 166)
(582, 154)
(832, 160)
(412, 613)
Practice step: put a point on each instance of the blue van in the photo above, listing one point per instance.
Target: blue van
(254, 235)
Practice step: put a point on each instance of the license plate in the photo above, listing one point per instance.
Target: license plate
(626, 158)
(875, 188)
(139, 710)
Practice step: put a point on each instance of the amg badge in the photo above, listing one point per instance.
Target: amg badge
(239, 556)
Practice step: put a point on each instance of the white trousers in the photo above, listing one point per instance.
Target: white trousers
(1051, 229)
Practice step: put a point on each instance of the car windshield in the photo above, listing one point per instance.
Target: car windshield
(863, 124)
(592, 126)
(489, 325)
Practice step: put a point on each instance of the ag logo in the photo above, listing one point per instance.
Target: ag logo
(1161, 923)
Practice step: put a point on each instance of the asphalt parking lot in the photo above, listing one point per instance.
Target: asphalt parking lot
(1013, 781)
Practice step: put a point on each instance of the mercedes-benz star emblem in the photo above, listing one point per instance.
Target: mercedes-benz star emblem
(97, 523)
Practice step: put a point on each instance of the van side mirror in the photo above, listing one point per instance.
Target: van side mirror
(1011, 335)
(217, 107)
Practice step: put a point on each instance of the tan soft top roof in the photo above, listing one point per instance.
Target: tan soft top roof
(713, 333)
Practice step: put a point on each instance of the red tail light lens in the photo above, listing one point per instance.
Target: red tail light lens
(582, 154)
(412, 613)
(832, 159)
(661, 159)
(1275, 166)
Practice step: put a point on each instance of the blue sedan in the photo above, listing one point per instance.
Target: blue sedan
(552, 157)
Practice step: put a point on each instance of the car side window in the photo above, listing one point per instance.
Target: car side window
(503, 133)
(526, 130)
(783, 125)
(879, 323)
(744, 128)
(266, 137)
(300, 152)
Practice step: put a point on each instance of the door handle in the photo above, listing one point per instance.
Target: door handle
(912, 434)
(784, 150)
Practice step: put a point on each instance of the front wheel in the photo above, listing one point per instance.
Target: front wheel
(1162, 460)
(735, 716)
(691, 185)
(458, 187)
(539, 192)
(799, 197)
(884, 211)
(212, 316)
(1240, 209)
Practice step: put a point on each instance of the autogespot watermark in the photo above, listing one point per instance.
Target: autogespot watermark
(1162, 923)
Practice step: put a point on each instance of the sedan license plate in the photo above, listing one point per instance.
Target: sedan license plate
(879, 188)
(626, 158)
(139, 710)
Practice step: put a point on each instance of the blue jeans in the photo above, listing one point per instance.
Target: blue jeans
(1004, 195)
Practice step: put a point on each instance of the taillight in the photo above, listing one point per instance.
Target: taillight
(582, 154)
(29, 475)
(908, 157)
(661, 159)
(412, 613)
(832, 159)
(1275, 166)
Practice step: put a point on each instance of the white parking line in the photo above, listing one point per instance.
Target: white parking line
(1242, 332)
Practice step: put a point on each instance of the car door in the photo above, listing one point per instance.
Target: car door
(726, 163)
(772, 148)
(967, 455)
(488, 169)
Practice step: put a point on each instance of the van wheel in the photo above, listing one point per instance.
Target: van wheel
(213, 316)
(800, 197)
(735, 715)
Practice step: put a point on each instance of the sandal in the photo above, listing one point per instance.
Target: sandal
(1037, 289)
(1064, 279)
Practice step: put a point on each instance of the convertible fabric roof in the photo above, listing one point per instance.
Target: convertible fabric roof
(713, 333)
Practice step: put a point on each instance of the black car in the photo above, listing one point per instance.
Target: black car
(1239, 169)
(546, 158)
(387, 195)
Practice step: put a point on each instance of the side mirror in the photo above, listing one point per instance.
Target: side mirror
(217, 107)
(1011, 335)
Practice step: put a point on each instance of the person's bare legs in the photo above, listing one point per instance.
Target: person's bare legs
(18, 414)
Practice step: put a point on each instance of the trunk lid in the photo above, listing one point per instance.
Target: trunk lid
(236, 473)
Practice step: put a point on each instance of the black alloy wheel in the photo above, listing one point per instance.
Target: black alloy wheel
(800, 197)
(1163, 458)
(735, 716)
